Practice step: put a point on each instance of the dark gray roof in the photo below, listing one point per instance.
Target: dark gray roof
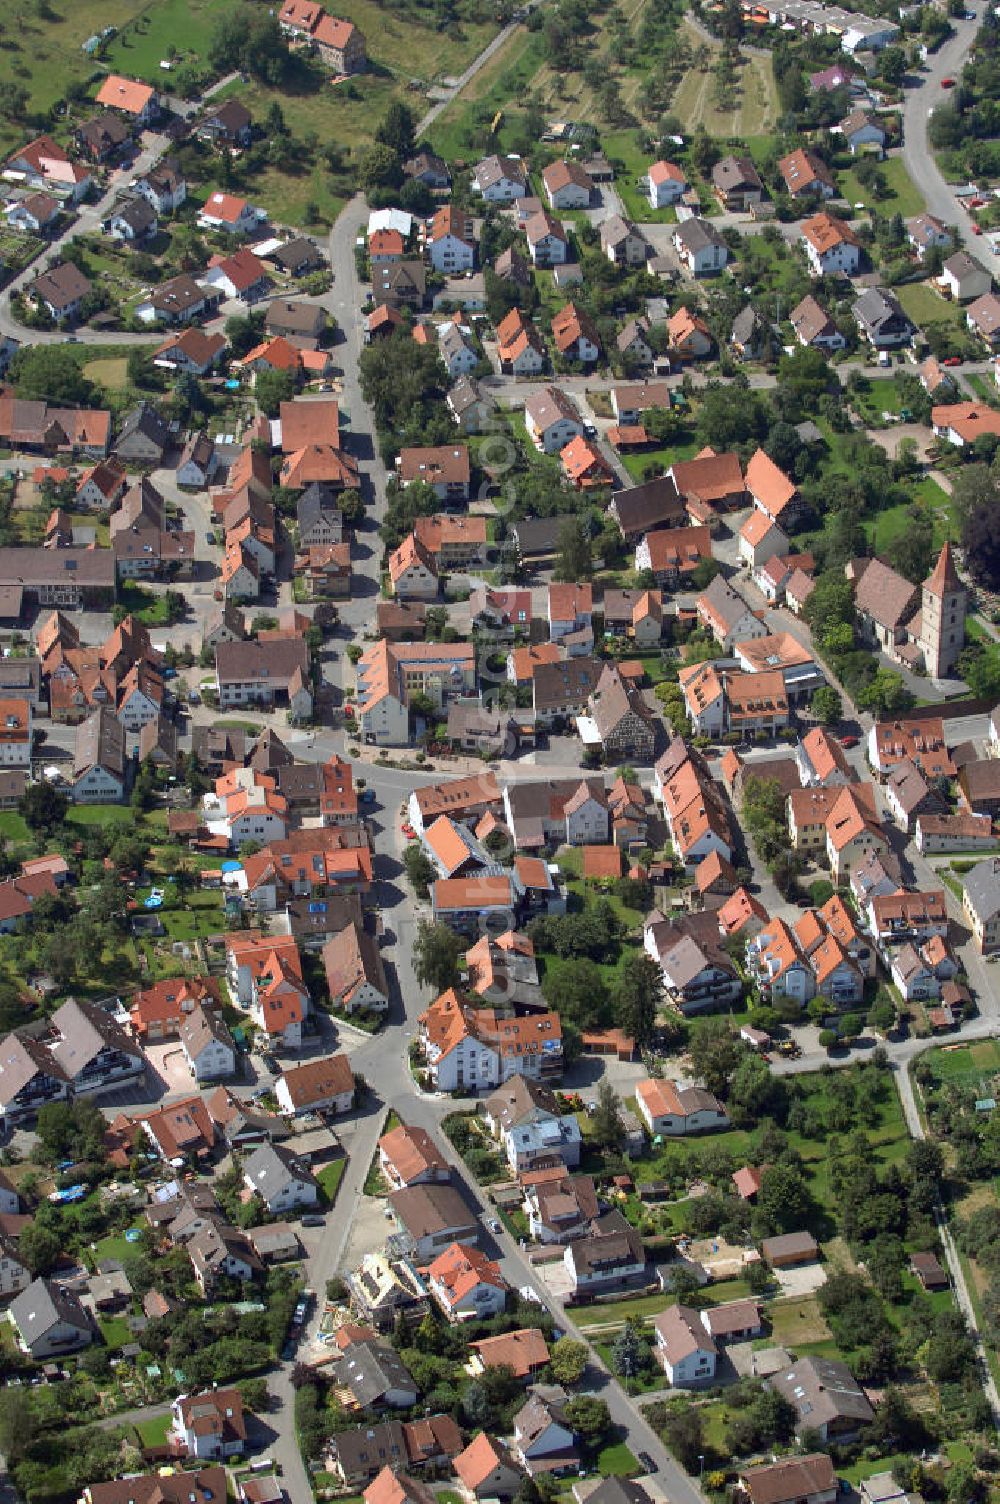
(44, 1304)
(144, 420)
(270, 753)
(536, 799)
(733, 173)
(518, 1099)
(612, 1242)
(429, 1210)
(63, 285)
(231, 115)
(877, 307)
(822, 1390)
(982, 888)
(21, 1060)
(138, 214)
(698, 234)
(370, 1448)
(298, 253)
(85, 1029)
(294, 317)
(725, 602)
(316, 500)
(538, 535)
(271, 1168)
(568, 682)
(371, 1369)
(20, 675)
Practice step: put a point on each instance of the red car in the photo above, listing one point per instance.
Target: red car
(849, 741)
(976, 229)
(952, 360)
(947, 83)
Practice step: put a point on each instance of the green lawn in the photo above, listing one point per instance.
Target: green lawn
(12, 826)
(100, 814)
(661, 459)
(903, 197)
(925, 306)
(984, 388)
(114, 1330)
(113, 1248)
(153, 1432)
(886, 526)
(147, 606)
(329, 1178)
(640, 1306)
(616, 1461)
(969, 1060)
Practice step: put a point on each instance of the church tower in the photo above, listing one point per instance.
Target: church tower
(942, 617)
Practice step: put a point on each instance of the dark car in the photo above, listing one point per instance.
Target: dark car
(647, 1462)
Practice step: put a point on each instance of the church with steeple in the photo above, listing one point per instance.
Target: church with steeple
(943, 600)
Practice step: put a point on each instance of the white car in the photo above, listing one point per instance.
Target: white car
(526, 1292)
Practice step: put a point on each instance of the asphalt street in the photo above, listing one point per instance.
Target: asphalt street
(919, 104)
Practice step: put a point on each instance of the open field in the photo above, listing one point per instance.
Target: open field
(509, 75)
(796, 1321)
(111, 373)
(753, 107)
(44, 56)
(185, 25)
(406, 57)
(968, 1061)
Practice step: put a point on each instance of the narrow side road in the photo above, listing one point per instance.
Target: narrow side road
(478, 63)
(964, 1298)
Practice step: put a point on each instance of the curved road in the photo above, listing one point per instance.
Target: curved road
(919, 104)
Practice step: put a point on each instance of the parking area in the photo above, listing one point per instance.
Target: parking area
(168, 1061)
(555, 1278)
(804, 1279)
